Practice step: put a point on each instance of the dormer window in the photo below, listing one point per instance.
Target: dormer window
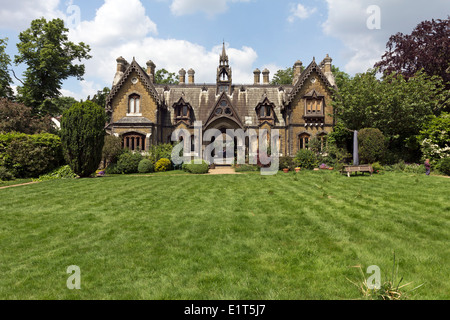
(134, 105)
(265, 111)
(183, 112)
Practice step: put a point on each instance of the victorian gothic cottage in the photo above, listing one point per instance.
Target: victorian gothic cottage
(144, 113)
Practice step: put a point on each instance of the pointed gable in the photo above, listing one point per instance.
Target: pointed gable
(144, 77)
(224, 109)
(304, 76)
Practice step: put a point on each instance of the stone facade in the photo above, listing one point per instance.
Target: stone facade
(144, 113)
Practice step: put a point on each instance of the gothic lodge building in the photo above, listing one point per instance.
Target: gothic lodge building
(144, 113)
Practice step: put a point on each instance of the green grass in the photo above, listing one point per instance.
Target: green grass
(290, 236)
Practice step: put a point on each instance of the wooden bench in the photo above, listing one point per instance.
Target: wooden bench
(361, 168)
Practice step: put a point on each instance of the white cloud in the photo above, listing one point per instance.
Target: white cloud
(210, 7)
(299, 11)
(347, 21)
(115, 23)
(112, 34)
(17, 15)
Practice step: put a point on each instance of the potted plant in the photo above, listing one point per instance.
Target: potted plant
(297, 169)
(285, 164)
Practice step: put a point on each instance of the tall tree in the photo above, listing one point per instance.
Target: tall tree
(5, 78)
(285, 76)
(50, 56)
(82, 136)
(396, 106)
(426, 47)
(100, 97)
(162, 76)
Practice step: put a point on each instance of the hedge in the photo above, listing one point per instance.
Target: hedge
(29, 156)
(193, 168)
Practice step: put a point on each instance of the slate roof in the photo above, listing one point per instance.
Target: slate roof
(244, 99)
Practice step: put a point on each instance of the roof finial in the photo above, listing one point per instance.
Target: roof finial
(223, 56)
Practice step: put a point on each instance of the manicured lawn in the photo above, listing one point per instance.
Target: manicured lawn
(224, 237)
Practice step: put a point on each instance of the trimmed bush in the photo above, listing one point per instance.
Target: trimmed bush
(128, 163)
(193, 168)
(145, 166)
(372, 145)
(444, 166)
(5, 175)
(29, 156)
(306, 159)
(83, 137)
(163, 165)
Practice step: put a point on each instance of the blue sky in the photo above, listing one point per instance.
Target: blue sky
(177, 34)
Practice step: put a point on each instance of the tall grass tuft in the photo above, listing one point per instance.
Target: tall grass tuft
(390, 289)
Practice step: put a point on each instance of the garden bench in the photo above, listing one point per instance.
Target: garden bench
(361, 168)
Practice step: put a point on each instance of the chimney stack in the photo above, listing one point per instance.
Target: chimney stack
(121, 68)
(151, 70)
(182, 76)
(266, 76)
(257, 76)
(297, 70)
(327, 64)
(191, 74)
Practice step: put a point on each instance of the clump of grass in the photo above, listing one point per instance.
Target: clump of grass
(389, 290)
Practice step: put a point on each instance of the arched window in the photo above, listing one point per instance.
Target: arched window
(134, 141)
(303, 141)
(134, 104)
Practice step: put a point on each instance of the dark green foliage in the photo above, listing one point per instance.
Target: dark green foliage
(395, 105)
(372, 145)
(82, 135)
(193, 168)
(286, 163)
(5, 175)
(146, 166)
(306, 159)
(341, 137)
(444, 166)
(5, 79)
(64, 172)
(128, 162)
(100, 97)
(112, 149)
(29, 156)
(160, 151)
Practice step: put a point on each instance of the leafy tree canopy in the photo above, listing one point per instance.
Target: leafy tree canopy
(283, 77)
(162, 76)
(5, 79)
(50, 56)
(393, 104)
